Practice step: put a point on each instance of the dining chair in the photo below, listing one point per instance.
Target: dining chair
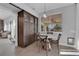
(57, 42)
(42, 42)
(39, 41)
(37, 38)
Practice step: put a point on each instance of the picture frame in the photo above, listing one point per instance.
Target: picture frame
(52, 23)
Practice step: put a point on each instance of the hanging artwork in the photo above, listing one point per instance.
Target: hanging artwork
(52, 23)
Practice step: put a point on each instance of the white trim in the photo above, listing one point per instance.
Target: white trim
(69, 53)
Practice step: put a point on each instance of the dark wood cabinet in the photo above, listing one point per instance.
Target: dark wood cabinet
(27, 27)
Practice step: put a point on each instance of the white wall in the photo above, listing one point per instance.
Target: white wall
(77, 26)
(11, 27)
(8, 15)
(68, 22)
(6, 46)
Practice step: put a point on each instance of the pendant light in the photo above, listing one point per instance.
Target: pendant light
(44, 15)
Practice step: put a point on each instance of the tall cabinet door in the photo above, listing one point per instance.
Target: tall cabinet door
(26, 29)
(20, 29)
(36, 27)
(1, 25)
(32, 37)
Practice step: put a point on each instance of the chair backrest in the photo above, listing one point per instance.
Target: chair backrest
(59, 35)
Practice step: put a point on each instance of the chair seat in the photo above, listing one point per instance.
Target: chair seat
(54, 36)
(54, 41)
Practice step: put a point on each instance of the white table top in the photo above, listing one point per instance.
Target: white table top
(53, 36)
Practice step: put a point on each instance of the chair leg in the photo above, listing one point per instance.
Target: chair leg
(39, 46)
(46, 52)
(58, 49)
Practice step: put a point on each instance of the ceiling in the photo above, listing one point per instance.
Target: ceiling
(10, 7)
(6, 10)
(39, 7)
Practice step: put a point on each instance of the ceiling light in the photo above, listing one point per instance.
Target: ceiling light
(44, 15)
